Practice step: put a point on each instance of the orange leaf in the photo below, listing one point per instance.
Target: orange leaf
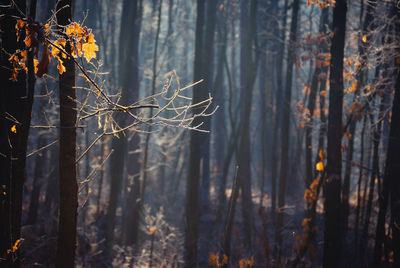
(60, 67)
(320, 166)
(47, 28)
(364, 38)
(321, 154)
(17, 244)
(35, 64)
(90, 48)
(70, 30)
(152, 231)
(14, 129)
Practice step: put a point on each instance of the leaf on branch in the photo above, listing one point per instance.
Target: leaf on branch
(35, 65)
(152, 231)
(60, 67)
(90, 48)
(320, 166)
(20, 24)
(364, 38)
(321, 154)
(13, 129)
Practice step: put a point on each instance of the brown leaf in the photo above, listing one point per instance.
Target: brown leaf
(43, 66)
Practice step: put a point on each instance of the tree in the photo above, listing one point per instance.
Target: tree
(66, 240)
(391, 185)
(286, 122)
(132, 218)
(128, 51)
(193, 179)
(332, 185)
(207, 75)
(248, 71)
(15, 114)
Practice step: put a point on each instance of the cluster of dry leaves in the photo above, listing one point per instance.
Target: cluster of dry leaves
(55, 45)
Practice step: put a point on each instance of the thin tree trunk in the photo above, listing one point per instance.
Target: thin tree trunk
(357, 220)
(278, 104)
(101, 178)
(37, 183)
(227, 236)
(133, 201)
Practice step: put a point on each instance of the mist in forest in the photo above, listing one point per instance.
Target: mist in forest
(208, 133)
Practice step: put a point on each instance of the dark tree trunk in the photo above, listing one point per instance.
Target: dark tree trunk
(392, 168)
(15, 109)
(218, 120)
(193, 179)
(227, 235)
(52, 199)
(360, 176)
(278, 104)
(247, 78)
(208, 71)
(66, 241)
(118, 144)
(133, 169)
(332, 188)
(39, 174)
(391, 183)
(286, 121)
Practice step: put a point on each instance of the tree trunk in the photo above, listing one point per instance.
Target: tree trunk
(359, 183)
(392, 167)
(66, 241)
(208, 71)
(193, 179)
(247, 77)
(118, 144)
(218, 122)
(278, 109)
(39, 174)
(12, 149)
(286, 122)
(332, 188)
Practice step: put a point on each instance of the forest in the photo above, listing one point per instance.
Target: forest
(199, 133)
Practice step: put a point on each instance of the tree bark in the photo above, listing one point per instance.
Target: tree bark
(66, 241)
(278, 104)
(286, 122)
(247, 78)
(332, 188)
(193, 179)
(127, 61)
(10, 143)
